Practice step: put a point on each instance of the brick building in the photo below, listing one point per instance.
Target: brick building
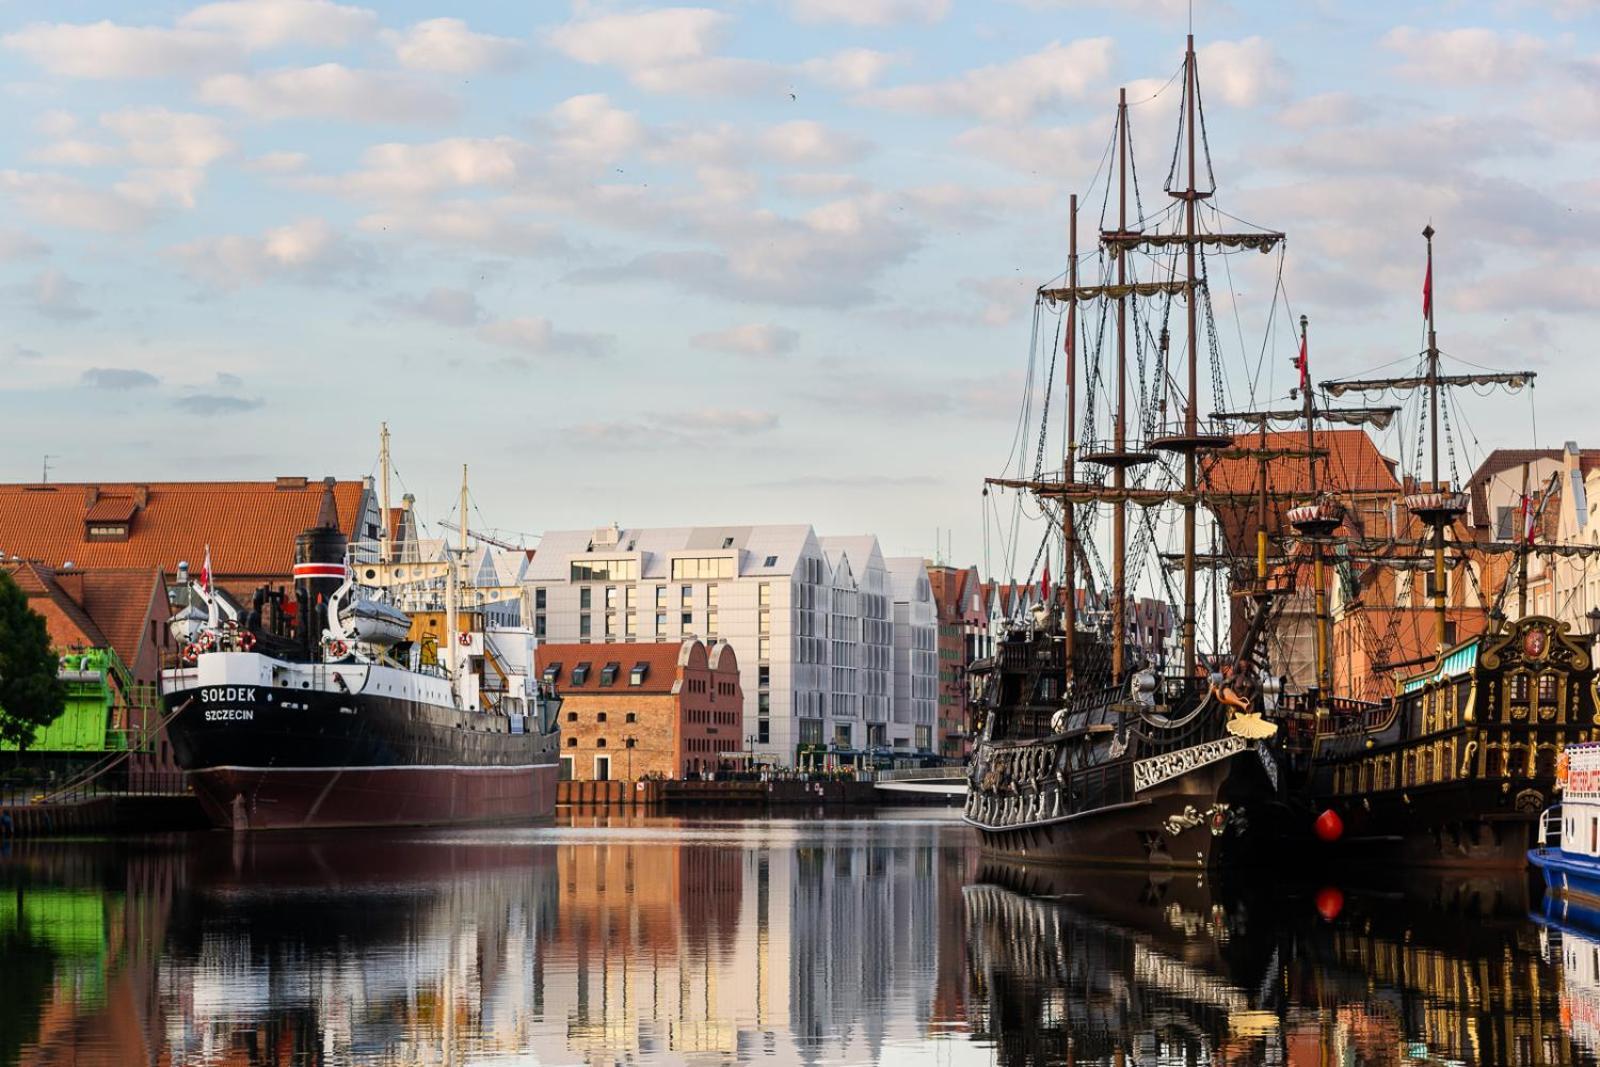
(666, 708)
(961, 603)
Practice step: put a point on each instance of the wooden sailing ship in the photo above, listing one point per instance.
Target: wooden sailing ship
(1092, 750)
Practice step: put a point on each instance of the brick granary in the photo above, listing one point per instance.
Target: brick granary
(664, 709)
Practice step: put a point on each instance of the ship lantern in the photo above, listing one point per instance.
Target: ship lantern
(1592, 616)
(1316, 520)
(1437, 509)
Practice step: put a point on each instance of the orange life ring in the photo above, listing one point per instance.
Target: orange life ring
(338, 649)
(191, 652)
(247, 640)
(206, 641)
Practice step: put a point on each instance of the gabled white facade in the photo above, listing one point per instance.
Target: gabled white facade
(810, 619)
(916, 652)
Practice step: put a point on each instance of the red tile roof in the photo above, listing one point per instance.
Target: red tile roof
(119, 603)
(662, 658)
(250, 526)
(69, 625)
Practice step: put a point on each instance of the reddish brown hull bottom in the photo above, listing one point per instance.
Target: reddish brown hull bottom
(243, 798)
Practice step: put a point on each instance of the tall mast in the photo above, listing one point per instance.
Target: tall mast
(1069, 533)
(1119, 520)
(1522, 555)
(1190, 416)
(451, 610)
(1433, 434)
(1324, 662)
(385, 535)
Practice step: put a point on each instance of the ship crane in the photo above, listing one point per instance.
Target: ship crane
(485, 538)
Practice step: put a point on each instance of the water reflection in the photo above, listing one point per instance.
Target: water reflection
(662, 941)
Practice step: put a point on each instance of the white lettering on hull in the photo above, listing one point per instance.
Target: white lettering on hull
(225, 714)
(229, 694)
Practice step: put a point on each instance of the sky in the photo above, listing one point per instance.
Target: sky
(738, 263)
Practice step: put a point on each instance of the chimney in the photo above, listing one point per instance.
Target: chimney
(70, 582)
(91, 496)
(141, 496)
(328, 513)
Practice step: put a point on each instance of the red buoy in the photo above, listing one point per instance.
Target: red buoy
(1330, 902)
(1329, 827)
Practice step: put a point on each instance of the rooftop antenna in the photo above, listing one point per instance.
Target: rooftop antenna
(44, 473)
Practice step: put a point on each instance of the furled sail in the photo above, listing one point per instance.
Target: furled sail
(1261, 242)
(1081, 293)
(1379, 417)
(1513, 380)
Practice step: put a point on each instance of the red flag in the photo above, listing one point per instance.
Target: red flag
(1044, 583)
(1427, 290)
(205, 571)
(1300, 365)
(1527, 520)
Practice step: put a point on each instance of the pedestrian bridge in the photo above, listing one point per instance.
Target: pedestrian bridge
(934, 781)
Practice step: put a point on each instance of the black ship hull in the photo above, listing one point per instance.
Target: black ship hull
(263, 758)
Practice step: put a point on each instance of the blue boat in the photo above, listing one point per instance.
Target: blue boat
(1568, 849)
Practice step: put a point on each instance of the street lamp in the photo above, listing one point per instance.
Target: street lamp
(629, 742)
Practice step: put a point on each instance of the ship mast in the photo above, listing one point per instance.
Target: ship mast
(1319, 583)
(1438, 591)
(1069, 532)
(452, 613)
(385, 535)
(1119, 594)
(1190, 417)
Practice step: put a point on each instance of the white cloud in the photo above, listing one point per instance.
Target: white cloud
(452, 307)
(537, 336)
(107, 50)
(1468, 56)
(119, 378)
(852, 68)
(1325, 109)
(1242, 73)
(329, 91)
(308, 250)
(681, 429)
(448, 46)
(258, 24)
(641, 39)
(870, 12)
(714, 76)
(15, 244)
(54, 295)
(752, 339)
(1005, 297)
(73, 152)
(62, 201)
(396, 169)
(156, 137)
(590, 129)
(1007, 92)
(808, 142)
(1067, 153)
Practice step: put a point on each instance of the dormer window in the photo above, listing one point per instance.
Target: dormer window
(608, 673)
(636, 677)
(107, 531)
(552, 672)
(109, 518)
(580, 673)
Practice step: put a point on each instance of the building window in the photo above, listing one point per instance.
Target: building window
(763, 703)
(764, 622)
(109, 532)
(538, 626)
(711, 622)
(605, 570)
(599, 742)
(841, 734)
(689, 567)
(580, 673)
(572, 716)
(600, 717)
(583, 626)
(572, 742)
(764, 594)
(552, 671)
(632, 623)
(763, 731)
(538, 598)
(632, 717)
(686, 596)
(608, 674)
(611, 598)
(566, 769)
(630, 598)
(661, 623)
(636, 677)
(585, 598)
(686, 620)
(763, 675)
(811, 731)
(602, 767)
(772, 561)
(661, 596)
(763, 648)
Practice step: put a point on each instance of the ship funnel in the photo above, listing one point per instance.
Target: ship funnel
(319, 558)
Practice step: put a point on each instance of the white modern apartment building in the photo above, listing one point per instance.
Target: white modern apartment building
(811, 620)
(916, 650)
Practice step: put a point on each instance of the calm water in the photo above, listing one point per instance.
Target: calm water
(662, 941)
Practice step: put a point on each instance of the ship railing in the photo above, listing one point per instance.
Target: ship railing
(1550, 827)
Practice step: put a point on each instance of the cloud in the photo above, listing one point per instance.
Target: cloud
(716, 76)
(1325, 109)
(870, 12)
(118, 378)
(538, 337)
(1066, 153)
(216, 404)
(259, 24)
(278, 162)
(1469, 56)
(1007, 92)
(62, 201)
(1241, 73)
(589, 129)
(452, 307)
(678, 429)
(754, 339)
(54, 295)
(305, 251)
(15, 245)
(107, 50)
(1005, 297)
(229, 381)
(329, 91)
(1561, 287)
(447, 46)
(491, 226)
(639, 40)
(408, 170)
(852, 68)
(802, 142)
(156, 137)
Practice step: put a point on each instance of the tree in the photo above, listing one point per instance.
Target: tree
(31, 694)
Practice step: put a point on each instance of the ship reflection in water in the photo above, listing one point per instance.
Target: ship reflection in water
(656, 941)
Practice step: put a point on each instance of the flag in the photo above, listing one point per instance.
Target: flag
(1301, 366)
(1527, 520)
(1044, 583)
(1427, 290)
(205, 571)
